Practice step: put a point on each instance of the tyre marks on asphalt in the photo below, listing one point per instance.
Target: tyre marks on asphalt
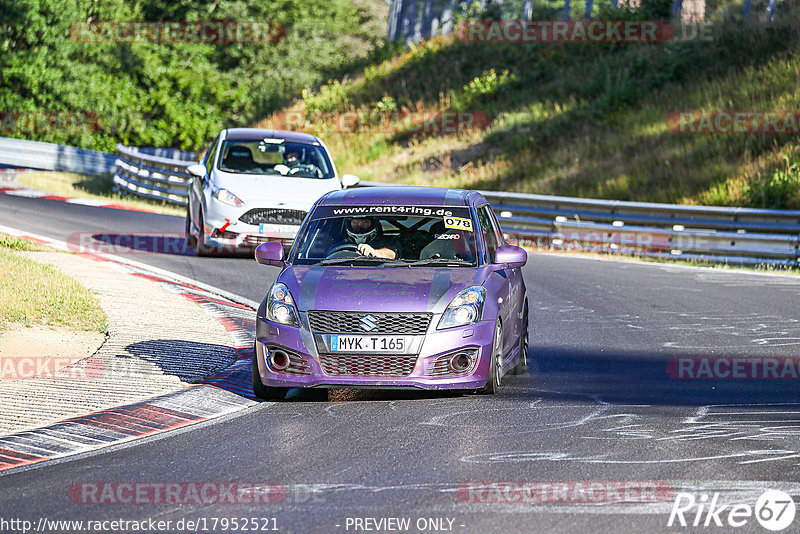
(752, 433)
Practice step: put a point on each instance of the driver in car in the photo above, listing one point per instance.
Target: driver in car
(292, 159)
(367, 234)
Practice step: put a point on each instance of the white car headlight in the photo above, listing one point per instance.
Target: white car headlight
(226, 197)
(466, 308)
(280, 306)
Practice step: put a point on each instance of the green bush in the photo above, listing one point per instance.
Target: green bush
(176, 95)
(781, 190)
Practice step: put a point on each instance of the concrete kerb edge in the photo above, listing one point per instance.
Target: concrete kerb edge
(175, 409)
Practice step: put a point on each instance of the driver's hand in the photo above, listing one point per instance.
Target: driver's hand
(366, 250)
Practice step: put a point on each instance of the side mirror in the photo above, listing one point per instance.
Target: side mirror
(197, 170)
(511, 255)
(270, 253)
(350, 180)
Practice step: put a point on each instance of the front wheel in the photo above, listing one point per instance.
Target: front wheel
(190, 240)
(522, 363)
(495, 365)
(200, 245)
(259, 389)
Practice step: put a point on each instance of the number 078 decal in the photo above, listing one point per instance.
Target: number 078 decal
(458, 223)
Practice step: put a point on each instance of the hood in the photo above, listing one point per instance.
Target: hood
(378, 289)
(266, 189)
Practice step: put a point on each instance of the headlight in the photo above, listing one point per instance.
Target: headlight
(466, 308)
(280, 306)
(226, 197)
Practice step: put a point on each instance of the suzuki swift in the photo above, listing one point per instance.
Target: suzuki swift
(393, 287)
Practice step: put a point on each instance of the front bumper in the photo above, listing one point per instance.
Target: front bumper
(238, 234)
(434, 345)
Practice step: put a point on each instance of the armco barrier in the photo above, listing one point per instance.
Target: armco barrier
(52, 157)
(725, 235)
(728, 235)
(156, 177)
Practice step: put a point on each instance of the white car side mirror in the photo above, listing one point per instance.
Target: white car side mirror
(350, 180)
(197, 170)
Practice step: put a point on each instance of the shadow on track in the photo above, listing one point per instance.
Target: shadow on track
(646, 378)
(190, 361)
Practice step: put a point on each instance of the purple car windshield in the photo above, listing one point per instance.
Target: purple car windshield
(415, 235)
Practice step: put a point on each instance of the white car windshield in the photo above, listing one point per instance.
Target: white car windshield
(274, 156)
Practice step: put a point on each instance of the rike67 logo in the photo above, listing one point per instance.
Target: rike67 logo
(774, 510)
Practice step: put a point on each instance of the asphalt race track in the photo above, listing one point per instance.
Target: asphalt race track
(605, 403)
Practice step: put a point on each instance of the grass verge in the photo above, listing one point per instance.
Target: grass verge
(34, 293)
(91, 187)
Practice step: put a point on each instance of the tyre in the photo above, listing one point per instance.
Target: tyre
(493, 380)
(522, 364)
(190, 240)
(260, 390)
(200, 246)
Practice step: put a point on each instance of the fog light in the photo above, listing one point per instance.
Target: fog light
(278, 360)
(460, 362)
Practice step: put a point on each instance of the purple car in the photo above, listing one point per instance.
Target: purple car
(393, 287)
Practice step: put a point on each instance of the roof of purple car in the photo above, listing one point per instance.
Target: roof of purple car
(260, 133)
(401, 195)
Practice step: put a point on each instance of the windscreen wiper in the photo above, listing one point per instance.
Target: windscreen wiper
(430, 261)
(336, 261)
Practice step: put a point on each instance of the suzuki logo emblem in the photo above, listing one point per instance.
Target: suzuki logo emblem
(368, 323)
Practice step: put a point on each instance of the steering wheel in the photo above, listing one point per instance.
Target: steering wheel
(310, 169)
(336, 252)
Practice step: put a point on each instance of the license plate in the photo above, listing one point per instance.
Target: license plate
(277, 229)
(386, 344)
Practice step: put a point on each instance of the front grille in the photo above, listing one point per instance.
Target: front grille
(357, 365)
(441, 365)
(273, 216)
(334, 322)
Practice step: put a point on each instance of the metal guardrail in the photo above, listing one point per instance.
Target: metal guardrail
(155, 177)
(52, 157)
(726, 235)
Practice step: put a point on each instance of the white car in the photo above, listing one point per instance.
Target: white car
(254, 186)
